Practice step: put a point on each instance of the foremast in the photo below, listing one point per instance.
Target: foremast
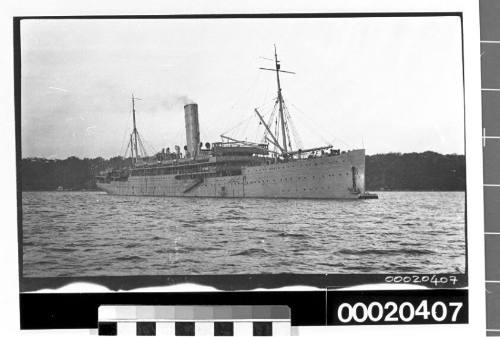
(136, 146)
(135, 128)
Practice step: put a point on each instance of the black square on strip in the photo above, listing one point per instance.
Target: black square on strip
(262, 328)
(184, 328)
(106, 328)
(146, 329)
(223, 329)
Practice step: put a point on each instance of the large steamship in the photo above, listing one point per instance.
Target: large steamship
(233, 168)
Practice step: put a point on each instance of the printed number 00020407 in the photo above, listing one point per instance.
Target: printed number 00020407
(433, 279)
(393, 312)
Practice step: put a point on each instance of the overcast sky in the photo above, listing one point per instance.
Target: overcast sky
(385, 84)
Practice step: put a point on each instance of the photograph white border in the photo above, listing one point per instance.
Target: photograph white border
(475, 235)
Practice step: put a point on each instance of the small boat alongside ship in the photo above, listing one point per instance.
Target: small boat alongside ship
(234, 168)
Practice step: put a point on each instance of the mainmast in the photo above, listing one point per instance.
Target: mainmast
(280, 99)
(277, 69)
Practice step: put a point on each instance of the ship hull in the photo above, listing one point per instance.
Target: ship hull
(325, 177)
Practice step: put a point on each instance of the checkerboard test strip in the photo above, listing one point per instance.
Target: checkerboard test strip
(490, 84)
(186, 320)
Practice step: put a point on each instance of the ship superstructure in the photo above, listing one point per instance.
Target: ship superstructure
(234, 168)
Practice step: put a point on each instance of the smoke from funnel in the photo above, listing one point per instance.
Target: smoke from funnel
(172, 102)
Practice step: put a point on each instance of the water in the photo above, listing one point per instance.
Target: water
(92, 233)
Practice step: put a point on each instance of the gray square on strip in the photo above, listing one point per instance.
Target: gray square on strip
(125, 312)
(261, 312)
(491, 209)
(491, 112)
(492, 305)
(184, 312)
(280, 312)
(490, 65)
(242, 312)
(491, 161)
(145, 312)
(223, 312)
(492, 251)
(203, 312)
(164, 312)
(489, 11)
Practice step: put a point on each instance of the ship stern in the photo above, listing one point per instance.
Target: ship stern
(358, 160)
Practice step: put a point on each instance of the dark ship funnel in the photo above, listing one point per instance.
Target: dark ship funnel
(192, 129)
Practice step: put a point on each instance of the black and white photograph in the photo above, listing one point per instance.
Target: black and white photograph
(242, 146)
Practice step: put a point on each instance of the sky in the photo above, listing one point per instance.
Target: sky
(383, 84)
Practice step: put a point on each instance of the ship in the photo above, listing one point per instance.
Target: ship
(233, 168)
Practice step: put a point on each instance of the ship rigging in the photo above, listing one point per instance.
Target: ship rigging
(281, 118)
(135, 143)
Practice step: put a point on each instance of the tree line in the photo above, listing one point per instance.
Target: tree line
(392, 171)
(425, 171)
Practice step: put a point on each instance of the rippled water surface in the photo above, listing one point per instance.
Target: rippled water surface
(92, 233)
